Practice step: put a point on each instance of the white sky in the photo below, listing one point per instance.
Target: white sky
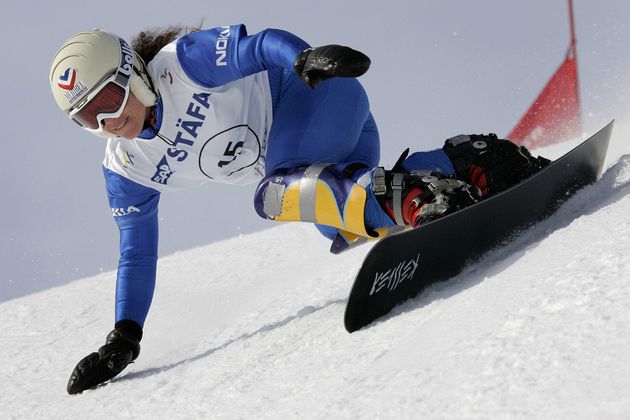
(439, 69)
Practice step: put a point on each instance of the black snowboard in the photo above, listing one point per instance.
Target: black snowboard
(400, 266)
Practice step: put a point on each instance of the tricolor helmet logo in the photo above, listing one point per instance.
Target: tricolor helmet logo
(67, 79)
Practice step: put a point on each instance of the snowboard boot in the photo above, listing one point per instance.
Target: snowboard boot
(489, 163)
(413, 198)
(122, 346)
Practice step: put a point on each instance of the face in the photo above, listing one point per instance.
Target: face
(129, 124)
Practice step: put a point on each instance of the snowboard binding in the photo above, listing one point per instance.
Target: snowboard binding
(490, 163)
(415, 198)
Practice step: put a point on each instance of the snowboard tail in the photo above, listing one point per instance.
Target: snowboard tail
(400, 266)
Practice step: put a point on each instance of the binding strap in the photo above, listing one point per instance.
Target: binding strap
(433, 188)
(398, 183)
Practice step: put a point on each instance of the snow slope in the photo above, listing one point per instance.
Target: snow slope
(251, 327)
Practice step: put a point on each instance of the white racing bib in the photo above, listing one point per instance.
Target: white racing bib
(207, 134)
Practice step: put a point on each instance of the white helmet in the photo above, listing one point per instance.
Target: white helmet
(91, 76)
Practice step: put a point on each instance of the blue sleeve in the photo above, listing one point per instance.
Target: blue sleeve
(432, 160)
(218, 56)
(135, 209)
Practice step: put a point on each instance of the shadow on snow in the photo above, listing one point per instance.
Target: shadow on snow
(308, 310)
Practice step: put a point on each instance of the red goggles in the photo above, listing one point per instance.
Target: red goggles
(107, 100)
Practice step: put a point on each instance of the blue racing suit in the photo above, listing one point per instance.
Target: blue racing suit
(331, 123)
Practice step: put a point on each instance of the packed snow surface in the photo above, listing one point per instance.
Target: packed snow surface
(252, 327)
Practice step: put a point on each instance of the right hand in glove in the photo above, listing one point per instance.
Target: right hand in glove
(121, 348)
(317, 64)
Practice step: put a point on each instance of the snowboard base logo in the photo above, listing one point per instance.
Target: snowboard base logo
(392, 278)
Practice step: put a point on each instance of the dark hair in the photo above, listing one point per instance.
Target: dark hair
(150, 41)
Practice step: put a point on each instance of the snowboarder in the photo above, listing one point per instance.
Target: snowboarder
(181, 109)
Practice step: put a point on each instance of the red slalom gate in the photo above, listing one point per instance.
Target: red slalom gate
(555, 114)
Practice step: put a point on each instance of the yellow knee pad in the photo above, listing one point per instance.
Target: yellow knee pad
(317, 194)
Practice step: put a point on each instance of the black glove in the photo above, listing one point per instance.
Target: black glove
(122, 346)
(314, 65)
